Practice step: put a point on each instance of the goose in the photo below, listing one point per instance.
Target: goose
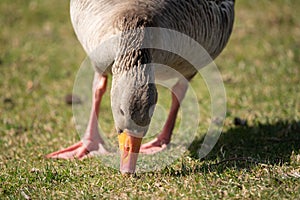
(133, 94)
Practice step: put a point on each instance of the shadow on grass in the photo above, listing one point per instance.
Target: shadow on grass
(244, 147)
(267, 143)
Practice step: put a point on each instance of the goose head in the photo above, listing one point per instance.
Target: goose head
(133, 99)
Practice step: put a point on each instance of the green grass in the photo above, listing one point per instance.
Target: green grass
(39, 58)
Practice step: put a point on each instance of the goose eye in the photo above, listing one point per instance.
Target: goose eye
(122, 112)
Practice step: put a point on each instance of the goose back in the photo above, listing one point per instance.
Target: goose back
(209, 22)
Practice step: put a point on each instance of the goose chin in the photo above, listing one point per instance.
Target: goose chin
(129, 150)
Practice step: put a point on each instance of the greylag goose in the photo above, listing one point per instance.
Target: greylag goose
(133, 94)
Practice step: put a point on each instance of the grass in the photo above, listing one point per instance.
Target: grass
(39, 58)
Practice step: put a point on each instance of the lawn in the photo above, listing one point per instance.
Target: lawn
(257, 155)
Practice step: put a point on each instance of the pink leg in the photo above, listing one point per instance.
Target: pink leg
(91, 143)
(164, 138)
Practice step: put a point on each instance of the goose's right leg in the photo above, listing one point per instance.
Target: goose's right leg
(163, 139)
(91, 143)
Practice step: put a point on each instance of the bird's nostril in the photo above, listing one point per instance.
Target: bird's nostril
(119, 130)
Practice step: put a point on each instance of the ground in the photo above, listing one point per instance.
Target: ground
(257, 155)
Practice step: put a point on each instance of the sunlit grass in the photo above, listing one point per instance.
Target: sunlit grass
(39, 59)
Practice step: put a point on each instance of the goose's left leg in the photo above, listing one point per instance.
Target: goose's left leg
(164, 138)
(91, 143)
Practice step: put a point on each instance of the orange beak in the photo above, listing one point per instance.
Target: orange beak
(129, 149)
